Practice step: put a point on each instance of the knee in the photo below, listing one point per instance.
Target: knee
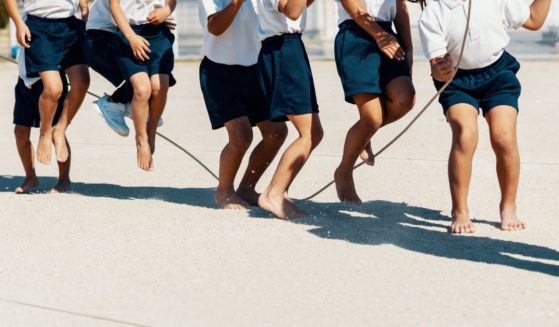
(80, 83)
(406, 102)
(465, 140)
(504, 142)
(277, 136)
(52, 92)
(158, 89)
(317, 134)
(371, 123)
(22, 133)
(241, 138)
(142, 92)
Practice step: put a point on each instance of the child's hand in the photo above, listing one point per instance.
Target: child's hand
(159, 15)
(388, 44)
(84, 8)
(442, 68)
(140, 47)
(23, 35)
(171, 23)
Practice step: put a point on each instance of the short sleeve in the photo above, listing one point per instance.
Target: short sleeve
(515, 13)
(275, 4)
(432, 36)
(206, 8)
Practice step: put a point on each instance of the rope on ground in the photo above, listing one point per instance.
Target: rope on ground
(388, 145)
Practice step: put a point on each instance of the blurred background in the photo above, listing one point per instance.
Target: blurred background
(322, 28)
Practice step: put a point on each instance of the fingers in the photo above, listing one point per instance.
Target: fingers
(171, 25)
(24, 39)
(142, 51)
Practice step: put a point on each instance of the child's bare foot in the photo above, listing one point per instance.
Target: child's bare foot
(249, 195)
(461, 224)
(63, 186)
(298, 211)
(230, 200)
(277, 204)
(60, 147)
(510, 222)
(145, 160)
(345, 187)
(44, 149)
(367, 155)
(28, 184)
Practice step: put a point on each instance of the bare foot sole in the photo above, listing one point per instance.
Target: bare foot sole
(277, 205)
(461, 225)
(62, 187)
(510, 222)
(60, 147)
(44, 149)
(345, 187)
(28, 184)
(145, 160)
(367, 155)
(230, 200)
(250, 196)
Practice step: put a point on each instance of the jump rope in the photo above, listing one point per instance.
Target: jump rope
(378, 153)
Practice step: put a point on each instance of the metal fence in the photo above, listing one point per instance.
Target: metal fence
(322, 28)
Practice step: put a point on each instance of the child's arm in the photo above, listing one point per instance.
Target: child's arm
(292, 9)
(139, 45)
(309, 3)
(385, 41)
(402, 24)
(84, 8)
(159, 15)
(539, 9)
(23, 34)
(442, 68)
(219, 22)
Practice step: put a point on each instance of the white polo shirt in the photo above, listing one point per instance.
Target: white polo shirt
(51, 8)
(100, 17)
(239, 44)
(22, 70)
(380, 10)
(272, 22)
(443, 22)
(137, 11)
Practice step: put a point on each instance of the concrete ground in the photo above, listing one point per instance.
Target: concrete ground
(129, 248)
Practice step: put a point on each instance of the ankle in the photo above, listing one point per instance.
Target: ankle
(507, 207)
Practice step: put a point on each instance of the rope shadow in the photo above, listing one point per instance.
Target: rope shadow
(197, 197)
(423, 231)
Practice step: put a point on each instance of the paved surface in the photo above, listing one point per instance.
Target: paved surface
(130, 248)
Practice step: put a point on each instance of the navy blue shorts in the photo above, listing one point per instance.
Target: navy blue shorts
(362, 67)
(98, 51)
(26, 108)
(56, 44)
(285, 77)
(231, 92)
(161, 58)
(485, 88)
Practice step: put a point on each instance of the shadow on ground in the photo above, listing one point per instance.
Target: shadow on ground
(424, 231)
(198, 197)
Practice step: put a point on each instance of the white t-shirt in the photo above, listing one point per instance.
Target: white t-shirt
(239, 44)
(380, 10)
(272, 22)
(29, 81)
(443, 22)
(100, 17)
(51, 8)
(137, 11)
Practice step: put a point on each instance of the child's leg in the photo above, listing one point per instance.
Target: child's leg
(273, 136)
(310, 134)
(140, 107)
(371, 118)
(64, 183)
(48, 102)
(78, 76)
(463, 122)
(502, 126)
(27, 156)
(240, 137)
(157, 102)
(399, 99)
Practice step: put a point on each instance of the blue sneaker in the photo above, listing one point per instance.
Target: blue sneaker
(113, 113)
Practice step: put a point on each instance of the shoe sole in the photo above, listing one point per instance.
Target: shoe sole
(98, 110)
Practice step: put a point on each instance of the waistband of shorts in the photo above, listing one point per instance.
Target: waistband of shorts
(150, 28)
(96, 33)
(229, 67)
(498, 64)
(351, 24)
(50, 20)
(277, 39)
